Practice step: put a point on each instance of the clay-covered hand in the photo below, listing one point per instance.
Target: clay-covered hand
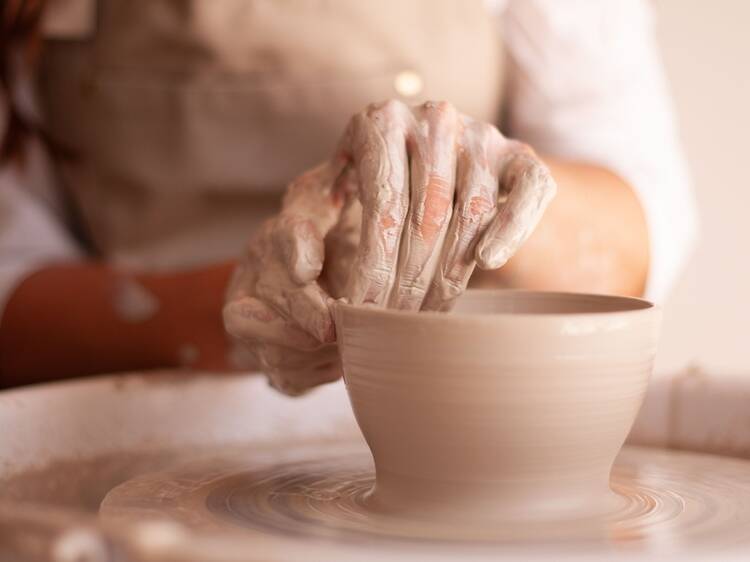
(412, 200)
(276, 304)
(441, 193)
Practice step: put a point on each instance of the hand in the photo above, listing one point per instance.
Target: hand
(440, 194)
(276, 303)
(411, 202)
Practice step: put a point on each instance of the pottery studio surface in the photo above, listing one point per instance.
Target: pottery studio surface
(169, 466)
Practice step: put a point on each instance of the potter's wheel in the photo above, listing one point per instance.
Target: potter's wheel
(222, 468)
(319, 490)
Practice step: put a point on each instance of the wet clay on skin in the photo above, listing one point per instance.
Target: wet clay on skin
(412, 201)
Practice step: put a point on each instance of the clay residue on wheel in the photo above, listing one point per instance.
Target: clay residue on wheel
(666, 500)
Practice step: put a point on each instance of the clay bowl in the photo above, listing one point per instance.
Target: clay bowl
(514, 405)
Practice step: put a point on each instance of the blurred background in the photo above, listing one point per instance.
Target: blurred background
(706, 47)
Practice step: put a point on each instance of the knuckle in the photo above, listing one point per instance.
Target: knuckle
(450, 287)
(382, 198)
(384, 201)
(479, 205)
(388, 201)
(385, 109)
(412, 290)
(487, 133)
(377, 276)
(293, 233)
(439, 185)
(438, 201)
(392, 106)
(440, 107)
(465, 220)
(378, 123)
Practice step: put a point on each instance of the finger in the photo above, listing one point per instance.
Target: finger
(293, 372)
(304, 305)
(296, 383)
(309, 306)
(377, 139)
(341, 246)
(311, 207)
(433, 162)
(476, 197)
(299, 244)
(242, 279)
(250, 319)
(530, 188)
(280, 358)
(275, 298)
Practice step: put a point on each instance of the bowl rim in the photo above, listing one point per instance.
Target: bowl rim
(642, 307)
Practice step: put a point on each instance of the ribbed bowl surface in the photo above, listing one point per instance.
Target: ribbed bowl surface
(516, 403)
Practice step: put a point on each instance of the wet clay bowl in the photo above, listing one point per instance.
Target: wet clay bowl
(514, 405)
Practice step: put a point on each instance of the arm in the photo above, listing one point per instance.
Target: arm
(69, 320)
(425, 184)
(593, 238)
(586, 89)
(61, 316)
(82, 317)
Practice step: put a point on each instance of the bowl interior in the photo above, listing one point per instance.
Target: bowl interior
(484, 302)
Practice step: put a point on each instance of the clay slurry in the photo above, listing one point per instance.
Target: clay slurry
(321, 491)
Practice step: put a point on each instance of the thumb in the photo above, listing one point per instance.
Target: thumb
(300, 244)
(312, 206)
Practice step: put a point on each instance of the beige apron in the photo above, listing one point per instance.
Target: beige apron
(188, 117)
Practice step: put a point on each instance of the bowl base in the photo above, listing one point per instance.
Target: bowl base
(489, 506)
(324, 491)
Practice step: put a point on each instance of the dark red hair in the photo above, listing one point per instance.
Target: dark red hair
(20, 41)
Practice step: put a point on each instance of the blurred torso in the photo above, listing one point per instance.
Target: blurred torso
(187, 118)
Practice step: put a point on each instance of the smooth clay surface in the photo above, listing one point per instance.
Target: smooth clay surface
(513, 406)
(664, 500)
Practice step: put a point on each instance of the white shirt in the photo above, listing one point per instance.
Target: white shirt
(585, 83)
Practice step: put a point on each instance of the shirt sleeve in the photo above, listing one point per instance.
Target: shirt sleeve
(586, 83)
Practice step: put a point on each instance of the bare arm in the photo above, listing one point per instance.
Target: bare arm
(593, 238)
(70, 320)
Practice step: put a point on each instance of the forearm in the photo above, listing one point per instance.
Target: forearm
(69, 320)
(592, 238)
